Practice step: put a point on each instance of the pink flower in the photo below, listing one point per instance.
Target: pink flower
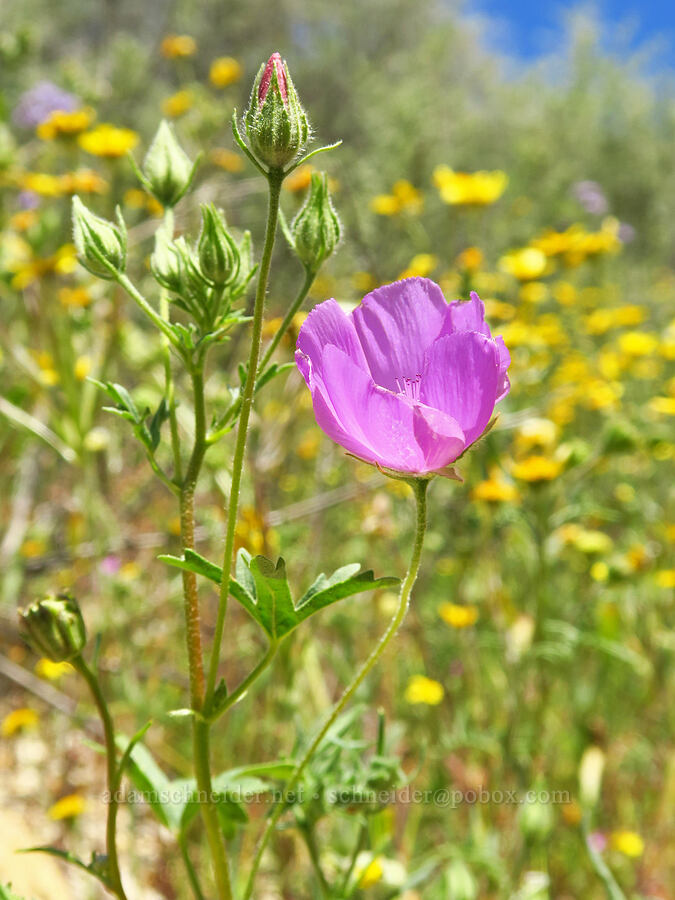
(406, 381)
(274, 64)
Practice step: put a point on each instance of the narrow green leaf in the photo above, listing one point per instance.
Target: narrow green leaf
(94, 868)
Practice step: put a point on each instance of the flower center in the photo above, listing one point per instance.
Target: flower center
(409, 387)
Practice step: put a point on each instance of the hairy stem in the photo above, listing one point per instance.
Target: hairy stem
(112, 775)
(420, 488)
(310, 275)
(275, 178)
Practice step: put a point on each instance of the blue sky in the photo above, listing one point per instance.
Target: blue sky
(528, 28)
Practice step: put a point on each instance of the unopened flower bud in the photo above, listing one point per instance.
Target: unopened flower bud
(316, 228)
(167, 169)
(460, 884)
(536, 818)
(54, 627)
(165, 264)
(218, 253)
(101, 245)
(276, 123)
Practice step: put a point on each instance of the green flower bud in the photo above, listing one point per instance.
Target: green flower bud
(316, 228)
(460, 884)
(54, 627)
(536, 819)
(101, 245)
(167, 169)
(218, 253)
(276, 123)
(166, 264)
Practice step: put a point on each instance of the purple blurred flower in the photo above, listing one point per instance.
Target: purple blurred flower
(39, 102)
(597, 841)
(406, 380)
(626, 233)
(27, 200)
(110, 565)
(591, 197)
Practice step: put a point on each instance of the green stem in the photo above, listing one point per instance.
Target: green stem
(600, 867)
(151, 313)
(192, 875)
(358, 847)
(275, 179)
(310, 275)
(253, 675)
(112, 775)
(420, 487)
(168, 378)
(313, 850)
(200, 729)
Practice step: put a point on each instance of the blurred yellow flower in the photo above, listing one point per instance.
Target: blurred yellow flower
(565, 293)
(495, 489)
(18, 720)
(363, 282)
(108, 141)
(404, 197)
(458, 616)
(370, 875)
(663, 406)
(470, 259)
(420, 266)
(533, 292)
(78, 297)
(52, 671)
(537, 468)
(628, 842)
(68, 807)
(469, 188)
(496, 309)
(61, 123)
(41, 183)
(638, 343)
(225, 71)
(83, 181)
(308, 447)
(525, 264)
(228, 160)
(300, 179)
(421, 689)
(178, 104)
(178, 46)
(600, 571)
(22, 221)
(665, 578)
(536, 432)
(82, 367)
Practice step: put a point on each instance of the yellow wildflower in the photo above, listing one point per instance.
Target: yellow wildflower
(496, 309)
(537, 468)
(469, 188)
(23, 220)
(600, 571)
(421, 689)
(82, 367)
(229, 160)
(83, 181)
(628, 842)
(68, 807)
(495, 489)
(536, 432)
(404, 197)
(525, 264)
(458, 616)
(178, 46)
(533, 292)
(371, 874)
(638, 343)
(300, 179)
(420, 266)
(108, 141)
(665, 578)
(470, 259)
(64, 123)
(178, 104)
(225, 71)
(565, 293)
(52, 671)
(385, 205)
(18, 720)
(78, 297)
(308, 447)
(363, 282)
(663, 406)
(41, 183)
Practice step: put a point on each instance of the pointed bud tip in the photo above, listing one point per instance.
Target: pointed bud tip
(274, 64)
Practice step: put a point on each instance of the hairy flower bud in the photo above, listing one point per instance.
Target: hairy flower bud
(316, 228)
(101, 245)
(166, 264)
(167, 169)
(54, 627)
(218, 253)
(276, 123)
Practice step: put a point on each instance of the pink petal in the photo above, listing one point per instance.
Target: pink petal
(396, 325)
(466, 315)
(461, 379)
(328, 324)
